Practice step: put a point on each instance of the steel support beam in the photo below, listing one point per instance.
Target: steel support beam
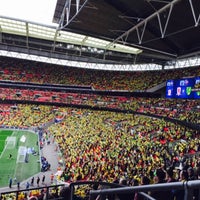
(68, 15)
(144, 22)
(142, 26)
(27, 35)
(196, 19)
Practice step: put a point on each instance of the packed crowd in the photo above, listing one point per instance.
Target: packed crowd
(102, 145)
(27, 71)
(181, 109)
(131, 129)
(103, 135)
(25, 116)
(109, 146)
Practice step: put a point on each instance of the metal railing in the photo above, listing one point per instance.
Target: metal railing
(49, 191)
(188, 187)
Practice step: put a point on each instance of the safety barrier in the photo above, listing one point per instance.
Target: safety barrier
(187, 186)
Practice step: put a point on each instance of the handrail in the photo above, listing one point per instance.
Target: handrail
(187, 186)
(16, 192)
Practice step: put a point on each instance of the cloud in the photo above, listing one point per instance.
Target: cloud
(39, 11)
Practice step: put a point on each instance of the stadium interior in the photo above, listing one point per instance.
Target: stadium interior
(112, 94)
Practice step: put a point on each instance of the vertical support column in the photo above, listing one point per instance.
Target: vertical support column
(69, 14)
(188, 195)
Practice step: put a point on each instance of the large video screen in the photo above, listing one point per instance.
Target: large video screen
(186, 88)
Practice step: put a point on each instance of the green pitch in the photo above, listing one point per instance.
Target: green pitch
(10, 167)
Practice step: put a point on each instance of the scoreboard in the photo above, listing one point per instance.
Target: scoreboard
(186, 88)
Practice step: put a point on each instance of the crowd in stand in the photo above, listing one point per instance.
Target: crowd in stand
(26, 71)
(102, 145)
(91, 136)
(181, 109)
(109, 146)
(25, 116)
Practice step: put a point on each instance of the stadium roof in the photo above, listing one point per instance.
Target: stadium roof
(164, 29)
(118, 32)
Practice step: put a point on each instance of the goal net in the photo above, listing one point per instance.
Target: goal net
(22, 154)
(10, 142)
